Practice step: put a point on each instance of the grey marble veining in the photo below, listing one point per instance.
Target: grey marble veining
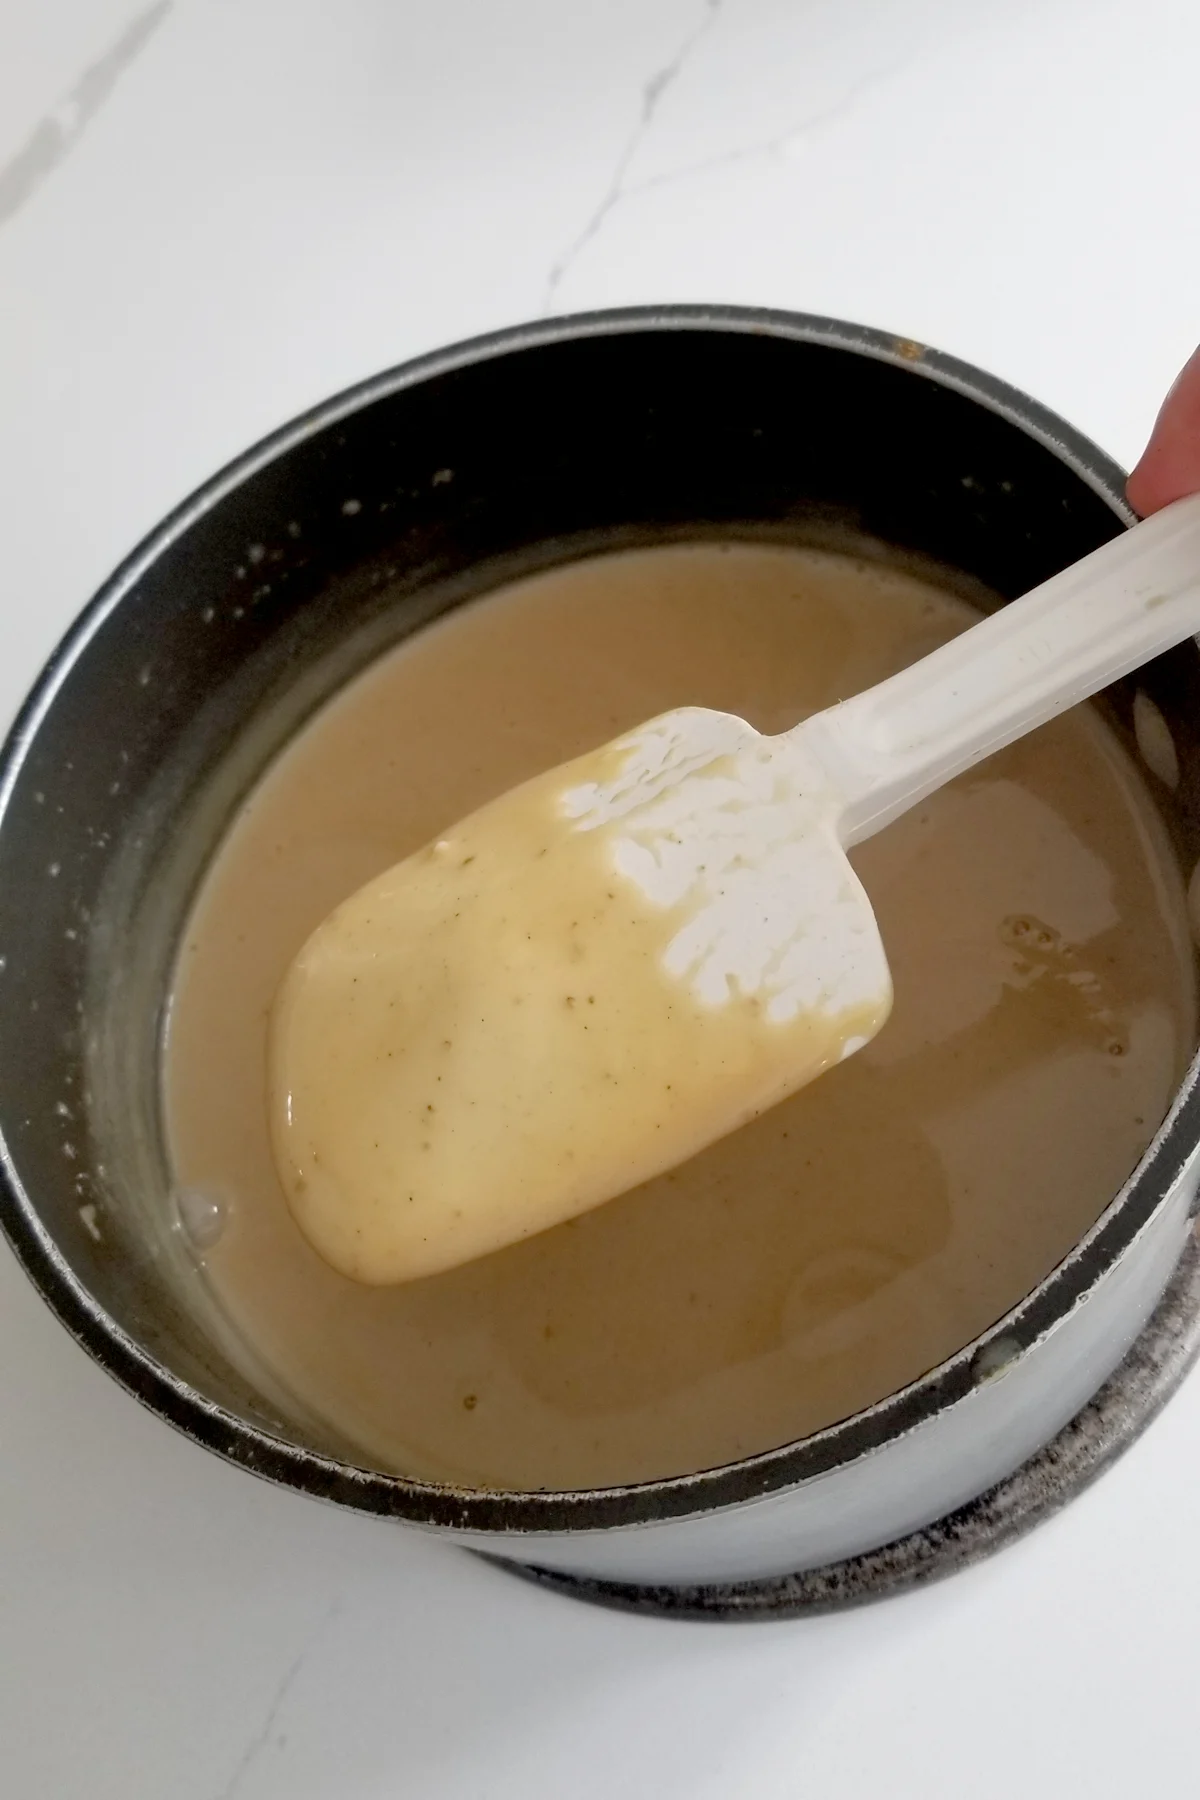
(55, 135)
(653, 89)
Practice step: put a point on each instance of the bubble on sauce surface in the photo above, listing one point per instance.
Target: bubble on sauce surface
(202, 1215)
(1048, 960)
(994, 1358)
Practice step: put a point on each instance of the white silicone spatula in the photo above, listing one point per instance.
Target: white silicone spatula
(1104, 616)
(603, 971)
(735, 826)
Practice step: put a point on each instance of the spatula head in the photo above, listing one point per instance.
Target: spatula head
(578, 987)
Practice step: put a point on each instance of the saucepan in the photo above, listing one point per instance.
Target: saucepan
(287, 572)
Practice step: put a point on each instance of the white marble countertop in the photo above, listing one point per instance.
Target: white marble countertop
(213, 212)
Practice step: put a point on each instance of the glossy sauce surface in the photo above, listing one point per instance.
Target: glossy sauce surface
(834, 1248)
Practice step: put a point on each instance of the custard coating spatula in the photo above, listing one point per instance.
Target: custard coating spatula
(606, 969)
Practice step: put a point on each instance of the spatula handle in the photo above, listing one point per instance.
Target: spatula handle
(1122, 605)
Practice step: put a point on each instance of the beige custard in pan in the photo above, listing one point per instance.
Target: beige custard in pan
(823, 1255)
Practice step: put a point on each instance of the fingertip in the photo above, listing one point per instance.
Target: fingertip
(1143, 490)
(1169, 467)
